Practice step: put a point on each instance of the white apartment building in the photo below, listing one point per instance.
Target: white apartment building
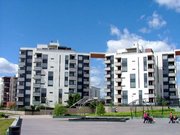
(49, 73)
(134, 75)
(94, 92)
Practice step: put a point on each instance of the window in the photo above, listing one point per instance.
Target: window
(124, 64)
(132, 80)
(125, 97)
(145, 63)
(140, 97)
(66, 62)
(50, 78)
(145, 80)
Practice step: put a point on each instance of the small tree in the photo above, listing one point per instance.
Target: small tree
(73, 98)
(59, 110)
(100, 110)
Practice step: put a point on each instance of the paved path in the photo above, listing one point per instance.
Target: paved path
(45, 125)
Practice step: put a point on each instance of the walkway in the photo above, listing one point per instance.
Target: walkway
(45, 125)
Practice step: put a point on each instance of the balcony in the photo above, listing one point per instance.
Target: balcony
(172, 82)
(36, 94)
(72, 86)
(21, 64)
(28, 84)
(37, 68)
(171, 59)
(21, 71)
(151, 86)
(86, 68)
(172, 74)
(20, 94)
(118, 96)
(36, 102)
(36, 85)
(150, 62)
(72, 69)
(72, 77)
(107, 90)
(21, 79)
(86, 61)
(108, 68)
(151, 95)
(117, 72)
(37, 60)
(171, 67)
(37, 76)
(86, 82)
(28, 76)
(19, 103)
(117, 88)
(150, 69)
(151, 78)
(86, 90)
(86, 75)
(107, 75)
(22, 56)
(172, 89)
(107, 61)
(118, 79)
(73, 61)
(107, 97)
(108, 82)
(173, 97)
(117, 64)
(20, 87)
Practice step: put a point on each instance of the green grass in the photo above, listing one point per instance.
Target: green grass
(4, 124)
(154, 113)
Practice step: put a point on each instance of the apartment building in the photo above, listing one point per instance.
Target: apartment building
(94, 92)
(49, 73)
(8, 88)
(136, 75)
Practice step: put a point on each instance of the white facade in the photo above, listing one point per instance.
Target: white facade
(55, 72)
(133, 76)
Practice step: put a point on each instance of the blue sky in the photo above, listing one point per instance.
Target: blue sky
(86, 26)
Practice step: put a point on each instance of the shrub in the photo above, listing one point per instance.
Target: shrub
(100, 110)
(59, 110)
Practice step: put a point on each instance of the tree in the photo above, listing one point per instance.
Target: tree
(100, 110)
(59, 110)
(73, 98)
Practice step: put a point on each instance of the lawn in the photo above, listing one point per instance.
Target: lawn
(4, 124)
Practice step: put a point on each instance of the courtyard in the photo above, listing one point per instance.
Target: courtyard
(45, 125)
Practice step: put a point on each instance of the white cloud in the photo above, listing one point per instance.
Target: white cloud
(127, 39)
(170, 4)
(7, 67)
(156, 21)
(144, 30)
(115, 31)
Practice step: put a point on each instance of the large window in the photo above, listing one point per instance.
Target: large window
(124, 64)
(145, 80)
(132, 80)
(145, 63)
(50, 78)
(125, 97)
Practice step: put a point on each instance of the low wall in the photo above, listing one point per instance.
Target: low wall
(137, 108)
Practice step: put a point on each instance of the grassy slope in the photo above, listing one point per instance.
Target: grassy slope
(4, 124)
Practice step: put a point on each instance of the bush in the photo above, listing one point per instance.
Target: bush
(100, 110)
(59, 110)
(2, 114)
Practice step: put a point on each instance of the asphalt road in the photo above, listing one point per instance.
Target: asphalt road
(45, 125)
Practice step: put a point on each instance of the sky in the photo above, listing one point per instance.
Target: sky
(87, 26)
